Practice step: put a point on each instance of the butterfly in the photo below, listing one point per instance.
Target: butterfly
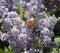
(30, 23)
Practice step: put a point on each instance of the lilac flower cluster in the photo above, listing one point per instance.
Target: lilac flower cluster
(20, 34)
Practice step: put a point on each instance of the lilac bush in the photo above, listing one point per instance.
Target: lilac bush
(22, 30)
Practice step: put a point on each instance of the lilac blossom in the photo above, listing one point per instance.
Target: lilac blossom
(18, 34)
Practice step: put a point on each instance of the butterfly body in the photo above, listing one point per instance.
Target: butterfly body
(30, 23)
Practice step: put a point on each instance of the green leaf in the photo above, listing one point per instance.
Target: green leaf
(54, 50)
(58, 8)
(22, 16)
(57, 40)
(0, 26)
(0, 17)
(18, 7)
(48, 14)
(52, 0)
(9, 51)
(1, 51)
(18, 11)
(56, 36)
(59, 50)
(54, 19)
(36, 44)
(41, 20)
